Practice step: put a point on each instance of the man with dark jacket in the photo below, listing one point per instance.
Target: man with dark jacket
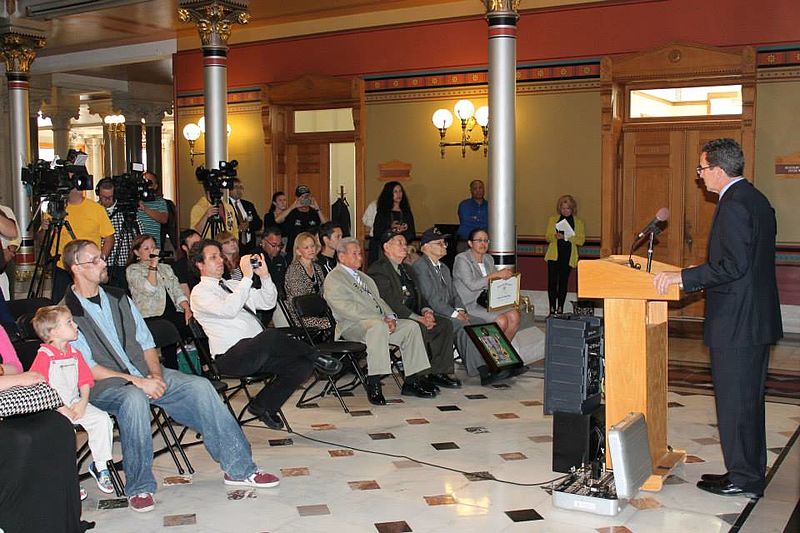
(743, 316)
(397, 287)
(247, 217)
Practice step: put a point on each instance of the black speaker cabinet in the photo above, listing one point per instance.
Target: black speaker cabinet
(573, 364)
(578, 439)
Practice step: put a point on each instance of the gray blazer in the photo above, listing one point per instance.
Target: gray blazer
(467, 276)
(350, 304)
(440, 295)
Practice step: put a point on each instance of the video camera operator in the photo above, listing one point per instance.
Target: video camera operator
(152, 212)
(126, 227)
(210, 211)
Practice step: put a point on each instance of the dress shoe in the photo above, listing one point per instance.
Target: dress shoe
(271, 419)
(715, 477)
(725, 488)
(416, 388)
(443, 380)
(427, 384)
(374, 393)
(494, 378)
(328, 365)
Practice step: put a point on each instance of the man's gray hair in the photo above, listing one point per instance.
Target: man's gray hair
(71, 251)
(341, 246)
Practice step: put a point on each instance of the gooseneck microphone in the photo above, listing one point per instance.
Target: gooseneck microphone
(653, 225)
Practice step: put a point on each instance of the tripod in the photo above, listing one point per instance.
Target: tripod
(214, 224)
(45, 262)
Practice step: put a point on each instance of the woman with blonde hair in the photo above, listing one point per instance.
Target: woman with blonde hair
(565, 232)
(305, 276)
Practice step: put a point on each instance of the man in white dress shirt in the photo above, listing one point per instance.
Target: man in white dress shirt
(240, 342)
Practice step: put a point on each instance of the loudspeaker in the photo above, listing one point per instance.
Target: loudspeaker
(573, 364)
(578, 439)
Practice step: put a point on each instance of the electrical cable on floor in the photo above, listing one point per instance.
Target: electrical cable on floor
(434, 465)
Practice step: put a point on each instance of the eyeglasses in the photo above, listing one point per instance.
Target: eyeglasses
(94, 260)
(701, 169)
(481, 240)
(275, 245)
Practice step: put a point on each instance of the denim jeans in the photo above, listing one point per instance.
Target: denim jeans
(189, 400)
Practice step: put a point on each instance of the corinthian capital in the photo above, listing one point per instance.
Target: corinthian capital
(501, 6)
(19, 41)
(214, 18)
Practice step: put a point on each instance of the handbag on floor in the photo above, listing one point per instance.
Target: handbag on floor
(28, 399)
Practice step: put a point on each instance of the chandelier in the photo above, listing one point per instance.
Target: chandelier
(469, 117)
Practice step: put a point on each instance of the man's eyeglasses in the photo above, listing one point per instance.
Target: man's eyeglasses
(275, 244)
(94, 260)
(701, 169)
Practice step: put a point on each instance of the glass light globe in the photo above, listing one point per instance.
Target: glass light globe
(191, 132)
(202, 124)
(442, 118)
(482, 116)
(464, 109)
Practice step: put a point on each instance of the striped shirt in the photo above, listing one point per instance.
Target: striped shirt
(150, 226)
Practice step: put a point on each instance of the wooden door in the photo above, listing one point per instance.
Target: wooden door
(309, 164)
(659, 171)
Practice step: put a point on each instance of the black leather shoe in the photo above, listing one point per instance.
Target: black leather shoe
(427, 384)
(443, 380)
(271, 419)
(714, 477)
(416, 388)
(725, 489)
(327, 364)
(375, 394)
(494, 378)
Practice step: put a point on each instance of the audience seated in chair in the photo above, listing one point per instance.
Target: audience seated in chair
(362, 315)
(242, 345)
(118, 348)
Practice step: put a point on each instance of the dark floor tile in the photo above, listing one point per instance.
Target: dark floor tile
(524, 515)
(475, 396)
(445, 445)
(361, 413)
(340, 453)
(478, 476)
(506, 416)
(417, 421)
(541, 438)
(381, 436)
(531, 403)
(180, 520)
(395, 400)
(442, 499)
(280, 442)
(369, 484)
(501, 386)
(476, 429)
(448, 407)
(674, 480)
(313, 510)
(295, 472)
(309, 406)
(775, 450)
(729, 518)
(112, 503)
(393, 527)
(346, 394)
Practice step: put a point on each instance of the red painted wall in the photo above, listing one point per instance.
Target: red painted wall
(558, 34)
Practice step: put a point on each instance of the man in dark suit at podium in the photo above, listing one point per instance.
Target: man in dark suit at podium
(743, 316)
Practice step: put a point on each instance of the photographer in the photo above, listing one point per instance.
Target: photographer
(126, 229)
(152, 213)
(211, 209)
(304, 215)
(88, 221)
(206, 209)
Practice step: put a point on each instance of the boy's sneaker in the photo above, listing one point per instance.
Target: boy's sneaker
(83, 493)
(259, 480)
(142, 503)
(103, 479)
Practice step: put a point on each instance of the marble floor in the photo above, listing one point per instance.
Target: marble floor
(471, 460)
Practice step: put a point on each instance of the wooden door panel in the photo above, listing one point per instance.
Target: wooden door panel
(309, 164)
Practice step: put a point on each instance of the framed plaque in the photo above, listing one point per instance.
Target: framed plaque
(493, 345)
(503, 293)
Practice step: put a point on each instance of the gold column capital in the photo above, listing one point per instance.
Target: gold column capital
(214, 18)
(18, 45)
(501, 6)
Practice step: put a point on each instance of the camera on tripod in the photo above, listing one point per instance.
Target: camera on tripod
(57, 178)
(216, 180)
(131, 188)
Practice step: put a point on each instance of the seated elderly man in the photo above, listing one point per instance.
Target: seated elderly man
(243, 346)
(436, 285)
(396, 284)
(120, 352)
(362, 315)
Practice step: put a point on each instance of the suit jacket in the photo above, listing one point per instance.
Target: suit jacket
(390, 286)
(742, 306)
(349, 303)
(440, 295)
(255, 219)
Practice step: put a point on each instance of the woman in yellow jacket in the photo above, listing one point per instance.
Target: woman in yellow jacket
(562, 252)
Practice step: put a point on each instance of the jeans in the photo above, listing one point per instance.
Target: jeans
(191, 401)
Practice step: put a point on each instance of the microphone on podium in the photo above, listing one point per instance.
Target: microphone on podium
(653, 225)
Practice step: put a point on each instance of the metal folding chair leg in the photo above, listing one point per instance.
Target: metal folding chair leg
(171, 440)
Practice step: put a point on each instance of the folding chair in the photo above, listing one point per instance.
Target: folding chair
(84, 454)
(229, 392)
(348, 352)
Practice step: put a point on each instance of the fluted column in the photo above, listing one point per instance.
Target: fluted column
(502, 18)
(153, 146)
(133, 141)
(94, 149)
(213, 19)
(19, 41)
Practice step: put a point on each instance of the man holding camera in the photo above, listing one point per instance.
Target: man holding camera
(88, 221)
(152, 213)
(304, 215)
(126, 228)
(226, 310)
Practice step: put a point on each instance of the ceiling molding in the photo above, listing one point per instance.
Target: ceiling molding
(104, 57)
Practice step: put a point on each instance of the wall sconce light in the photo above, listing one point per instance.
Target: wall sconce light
(115, 123)
(192, 132)
(469, 117)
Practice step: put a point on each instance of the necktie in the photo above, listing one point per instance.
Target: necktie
(439, 271)
(363, 286)
(244, 308)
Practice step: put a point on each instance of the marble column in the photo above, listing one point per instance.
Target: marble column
(133, 141)
(502, 17)
(213, 19)
(168, 184)
(152, 126)
(94, 149)
(19, 40)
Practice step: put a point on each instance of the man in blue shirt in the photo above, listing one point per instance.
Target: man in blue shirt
(118, 347)
(473, 213)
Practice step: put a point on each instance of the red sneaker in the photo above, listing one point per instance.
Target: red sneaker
(259, 480)
(142, 503)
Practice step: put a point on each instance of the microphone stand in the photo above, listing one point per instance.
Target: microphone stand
(650, 245)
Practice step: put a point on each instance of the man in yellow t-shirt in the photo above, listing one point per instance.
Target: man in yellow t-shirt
(88, 220)
(202, 210)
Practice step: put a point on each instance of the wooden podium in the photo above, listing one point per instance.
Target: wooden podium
(635, 319)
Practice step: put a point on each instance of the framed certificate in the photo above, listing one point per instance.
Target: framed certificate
(503, 293)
